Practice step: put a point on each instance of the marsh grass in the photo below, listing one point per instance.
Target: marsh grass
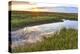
(66, 39)
(21, 19)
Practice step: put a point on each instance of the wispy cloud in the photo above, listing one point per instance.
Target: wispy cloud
(28, 6)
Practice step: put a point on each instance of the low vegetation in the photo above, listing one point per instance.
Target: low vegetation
(21, 19)
(66, 39)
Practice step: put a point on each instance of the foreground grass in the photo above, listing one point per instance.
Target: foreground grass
(66, 39)
(22, 19)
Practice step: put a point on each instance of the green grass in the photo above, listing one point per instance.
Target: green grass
(22, 19)
(66, 39)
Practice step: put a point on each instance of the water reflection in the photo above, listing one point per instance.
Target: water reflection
(34, 33)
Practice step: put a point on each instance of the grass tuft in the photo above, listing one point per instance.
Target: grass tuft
(66, 39)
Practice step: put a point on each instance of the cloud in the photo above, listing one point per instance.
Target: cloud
(28, 6)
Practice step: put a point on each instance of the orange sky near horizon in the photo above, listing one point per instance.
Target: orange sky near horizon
(42, 7)
(25, 6)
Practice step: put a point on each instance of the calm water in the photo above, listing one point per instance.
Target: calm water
(34, 33)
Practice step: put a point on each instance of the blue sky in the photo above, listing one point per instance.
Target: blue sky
(64, 9)
(28, 6)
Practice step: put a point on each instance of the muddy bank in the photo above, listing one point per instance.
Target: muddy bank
(36, 33)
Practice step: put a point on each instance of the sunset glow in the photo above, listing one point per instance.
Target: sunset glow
(42, 7)
(37, 9)
(26, 7)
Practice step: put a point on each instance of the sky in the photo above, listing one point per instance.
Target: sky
(48, 7)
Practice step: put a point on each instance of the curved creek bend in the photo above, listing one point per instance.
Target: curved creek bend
(33, 34)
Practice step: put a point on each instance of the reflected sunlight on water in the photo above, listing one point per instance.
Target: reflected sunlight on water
(35, 33)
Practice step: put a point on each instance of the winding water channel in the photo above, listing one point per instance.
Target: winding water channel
(35, 33)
